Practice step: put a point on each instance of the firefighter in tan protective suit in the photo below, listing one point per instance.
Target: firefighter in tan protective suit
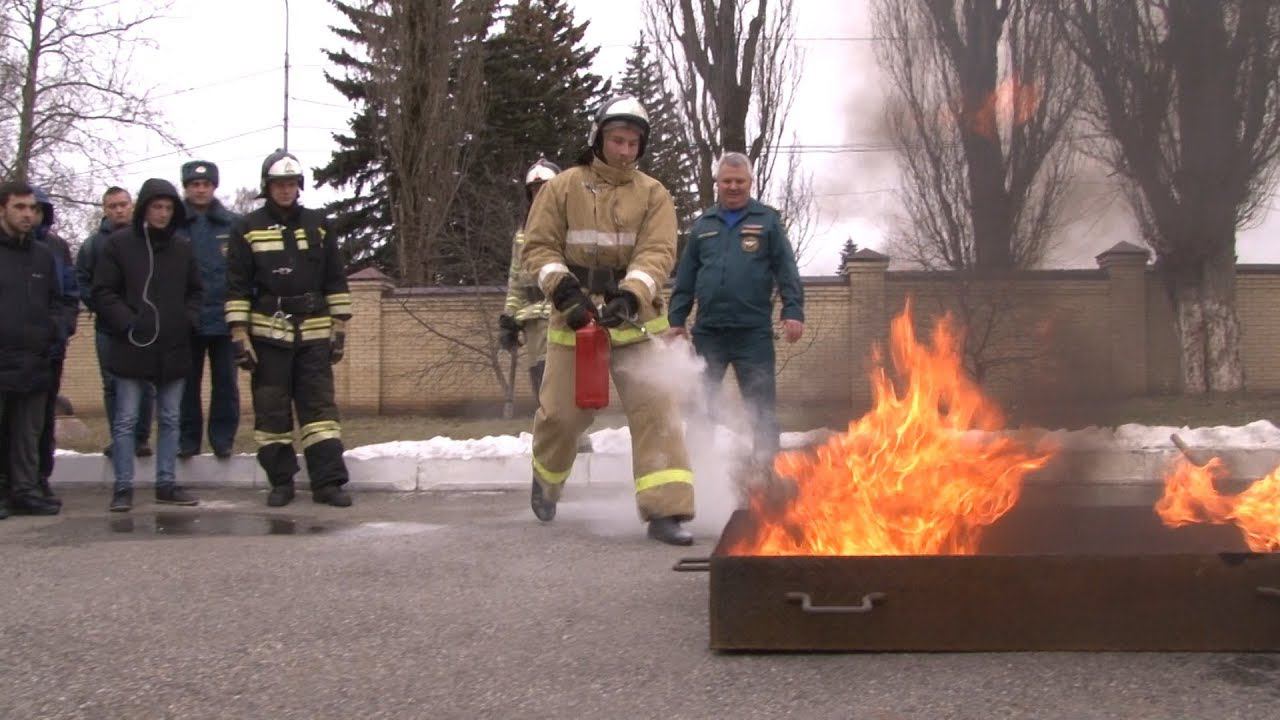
(526, 309)
(602, 231)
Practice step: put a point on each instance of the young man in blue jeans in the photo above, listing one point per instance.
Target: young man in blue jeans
(147, 289)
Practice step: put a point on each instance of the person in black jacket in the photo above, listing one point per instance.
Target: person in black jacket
(287, 306)
(147, 289)
(30, 296)
(117, 211)
(68, 310)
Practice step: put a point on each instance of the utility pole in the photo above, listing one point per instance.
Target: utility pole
(286, 75)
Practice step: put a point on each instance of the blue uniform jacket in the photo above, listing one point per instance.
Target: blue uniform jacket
(731, 271)
(209, 232)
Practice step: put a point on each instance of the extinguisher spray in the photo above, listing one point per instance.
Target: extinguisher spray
(591, 366)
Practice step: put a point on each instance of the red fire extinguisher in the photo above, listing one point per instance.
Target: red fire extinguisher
(591, 367)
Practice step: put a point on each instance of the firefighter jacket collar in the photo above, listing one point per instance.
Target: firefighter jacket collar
(283, 214)
(611, 174)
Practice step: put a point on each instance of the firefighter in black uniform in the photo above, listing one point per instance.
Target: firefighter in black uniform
(287, 307)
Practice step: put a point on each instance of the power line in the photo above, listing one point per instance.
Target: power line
(179, 151)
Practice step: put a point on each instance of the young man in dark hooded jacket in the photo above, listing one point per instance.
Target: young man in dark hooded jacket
(147, 289)
(30, 297)
(65, 323)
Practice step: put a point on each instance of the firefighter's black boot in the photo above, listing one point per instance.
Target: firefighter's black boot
(280, 495)
(544, 509)
(668, 530)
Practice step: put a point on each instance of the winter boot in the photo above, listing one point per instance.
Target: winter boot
(668, 530)
(46, 492)
(29, 504)
(543, 509)
(121, 500)
(280, 495)
(331, 495)
(174, 495)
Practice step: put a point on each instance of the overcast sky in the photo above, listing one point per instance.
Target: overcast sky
(217, 75)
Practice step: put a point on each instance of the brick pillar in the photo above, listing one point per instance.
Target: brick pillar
(358, 378)
(868, 324)
(1126, 268)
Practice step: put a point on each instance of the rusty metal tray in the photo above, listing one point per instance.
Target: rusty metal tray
(1048, 576)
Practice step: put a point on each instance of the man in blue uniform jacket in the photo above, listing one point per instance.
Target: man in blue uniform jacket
(736, 253)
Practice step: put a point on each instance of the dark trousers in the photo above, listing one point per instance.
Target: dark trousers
(102, 342)
(47, 441)
(296, 380)
(750, 352)
(22, 416)
(224, 396)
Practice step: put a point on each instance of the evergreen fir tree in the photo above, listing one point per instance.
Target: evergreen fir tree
(846, 254)
(668, 158)
(540, 95)
(362, 221)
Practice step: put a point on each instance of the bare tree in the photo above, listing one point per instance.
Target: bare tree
(735, 68)
(244, 201)
(64, 69)
(470, 336)
(983, 92)
(1186, 96)
(426, 65)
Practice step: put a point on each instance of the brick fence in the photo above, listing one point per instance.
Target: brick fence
(1055, 334)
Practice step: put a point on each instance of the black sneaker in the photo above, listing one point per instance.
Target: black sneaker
(174, 495)
(185, 453)
(121, 501)
(32, 505)
(222, 453)
(106, 451)
(280, 496)
(331, 495)
(143, 450)
(4, 509)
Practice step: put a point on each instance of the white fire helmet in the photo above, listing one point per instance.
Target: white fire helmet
(541, 171)
(620, 108)
(280, 165)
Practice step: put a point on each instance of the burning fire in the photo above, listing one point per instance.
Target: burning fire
(922, 473)
(1011, 104)
(1190, 497)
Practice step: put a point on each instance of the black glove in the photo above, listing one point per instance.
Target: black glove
(620, 307)
(509, 332)
(244, 356)
(569, 299)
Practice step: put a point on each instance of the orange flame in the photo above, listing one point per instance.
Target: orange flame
(921, 473)
(1190, 496)
(1010, 104)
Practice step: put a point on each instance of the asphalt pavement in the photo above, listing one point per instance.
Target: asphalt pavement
(417, 605)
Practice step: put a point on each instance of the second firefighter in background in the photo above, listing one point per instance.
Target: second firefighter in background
(287, 307)
(604, 231)
(527, 309)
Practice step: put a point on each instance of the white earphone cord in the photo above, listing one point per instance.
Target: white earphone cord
(146, 290)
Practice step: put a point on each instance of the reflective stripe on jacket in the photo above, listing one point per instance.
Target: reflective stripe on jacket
(521, 286)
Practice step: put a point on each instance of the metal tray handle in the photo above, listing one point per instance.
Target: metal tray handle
(806, 604)
(694, 564)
